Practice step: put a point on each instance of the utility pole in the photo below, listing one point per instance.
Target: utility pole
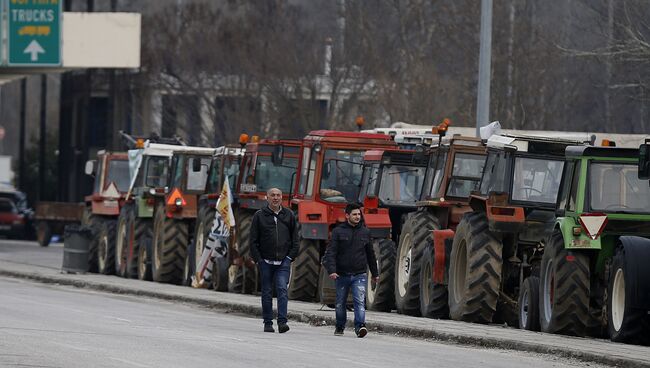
(42, 165)
(484, 66)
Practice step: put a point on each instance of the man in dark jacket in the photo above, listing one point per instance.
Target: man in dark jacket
(274, 245)
(347, 259)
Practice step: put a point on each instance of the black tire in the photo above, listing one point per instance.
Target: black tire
(122, 240)
(242, 279)
(142, 230)
(93, 222)
(475, 266)
(43, 233)
(170, 238)
(190, 265)
(417, 228)
(203, 226)
(528, 304)
(625, 324)
(381, 295)
(564, 289)
(434, 299)
(106, 247)
(303, 281)
(220, 274)
(144, 260)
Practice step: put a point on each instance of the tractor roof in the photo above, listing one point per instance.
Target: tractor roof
(348, 137)
(188, 150)
(615, 152)
(229, 150)
(531, 144)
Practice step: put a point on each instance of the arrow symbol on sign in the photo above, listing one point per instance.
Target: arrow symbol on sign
(34, 48)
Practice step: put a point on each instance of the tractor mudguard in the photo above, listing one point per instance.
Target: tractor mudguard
(582, 241)
(314, 221)
(442, 243)
(637, 254)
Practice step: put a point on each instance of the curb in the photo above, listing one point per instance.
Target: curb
(317, 320)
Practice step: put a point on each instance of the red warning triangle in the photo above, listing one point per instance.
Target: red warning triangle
(174, 196)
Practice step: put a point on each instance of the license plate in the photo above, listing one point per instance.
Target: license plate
(248, 188)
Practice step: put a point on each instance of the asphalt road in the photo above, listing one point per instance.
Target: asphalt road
(57, 326)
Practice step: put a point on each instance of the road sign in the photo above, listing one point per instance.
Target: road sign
(34, 32)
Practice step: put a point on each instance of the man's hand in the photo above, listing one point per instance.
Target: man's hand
(375, 279)
(334, 276)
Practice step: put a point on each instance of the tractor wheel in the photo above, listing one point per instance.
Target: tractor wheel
(204, 223)
(303, 281)
(169, 247)
(220, 274)
(106, 247)
(528, 304)
(434, 300)
(190, 265)
(93, 222)
(381, 295)
(474, 271)
(625, 323)
(240, 278)
(122, 240)
(417, 228)
(564, 289)
(139, 229)
(44, 234)
(144, 259)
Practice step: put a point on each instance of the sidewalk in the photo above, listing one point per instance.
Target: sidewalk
(599, 351)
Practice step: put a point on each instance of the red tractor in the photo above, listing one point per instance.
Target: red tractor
(266, 164)
(330, 171)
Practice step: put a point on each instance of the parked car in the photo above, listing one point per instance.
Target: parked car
(23, 213)
(12, 223)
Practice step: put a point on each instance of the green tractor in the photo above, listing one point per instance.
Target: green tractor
(594, 275)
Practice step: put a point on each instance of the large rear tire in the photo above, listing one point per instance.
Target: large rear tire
(564, 289)
(140, 231)
(474, 271)
(170, 238)
(122, 240)
(434, 299)
(242, 279)
(625, 324)
(44, 233)
(144, 260)
(381, 295)
(93, 222)
(417, 228)
(303, 281)
(106, 247)
(220, 274)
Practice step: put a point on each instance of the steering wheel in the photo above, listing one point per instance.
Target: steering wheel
(530, 190)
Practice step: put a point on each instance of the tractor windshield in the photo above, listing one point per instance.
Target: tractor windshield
(268, 175)
(536, 180)
(157, 172)
(118, 173)
(465, 175)
(616, 187)
(401, 184)
(341, 176)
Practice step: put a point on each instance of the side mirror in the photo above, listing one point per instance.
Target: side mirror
(196, 164)
(277, 155)
(90, 167)
(644, 160)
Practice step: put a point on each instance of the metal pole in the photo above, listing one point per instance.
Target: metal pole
(43, 139)
(484, 66)
(21, 143)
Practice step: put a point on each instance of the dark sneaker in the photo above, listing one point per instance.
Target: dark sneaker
(283, 327)
(362, 331)
(268, 328)
(338, 332)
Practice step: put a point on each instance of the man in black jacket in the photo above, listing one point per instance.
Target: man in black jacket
(347, 259)
(274, 245)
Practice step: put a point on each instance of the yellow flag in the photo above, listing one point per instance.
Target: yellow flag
(224, 204)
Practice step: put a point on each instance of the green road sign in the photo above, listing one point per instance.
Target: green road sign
(34, 32)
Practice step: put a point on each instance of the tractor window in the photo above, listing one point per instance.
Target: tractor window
(196, 180)
(98, 176)
(311, 175)
(438, 173)
(341, 176)
(494, 173)
(567, 179)
(268, 175)
(118, 173)
(573, 195)
(615, 187)
(214, 181)
(466, 175)
(368, 181)
(178, 165)
(231, 171)
(304, 173)
(536, 180)
(157, 171)
(401, 184)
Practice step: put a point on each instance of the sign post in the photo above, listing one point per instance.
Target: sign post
(34, 32)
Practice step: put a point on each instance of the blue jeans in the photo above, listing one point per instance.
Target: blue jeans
(358, 285)
(280, 275)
